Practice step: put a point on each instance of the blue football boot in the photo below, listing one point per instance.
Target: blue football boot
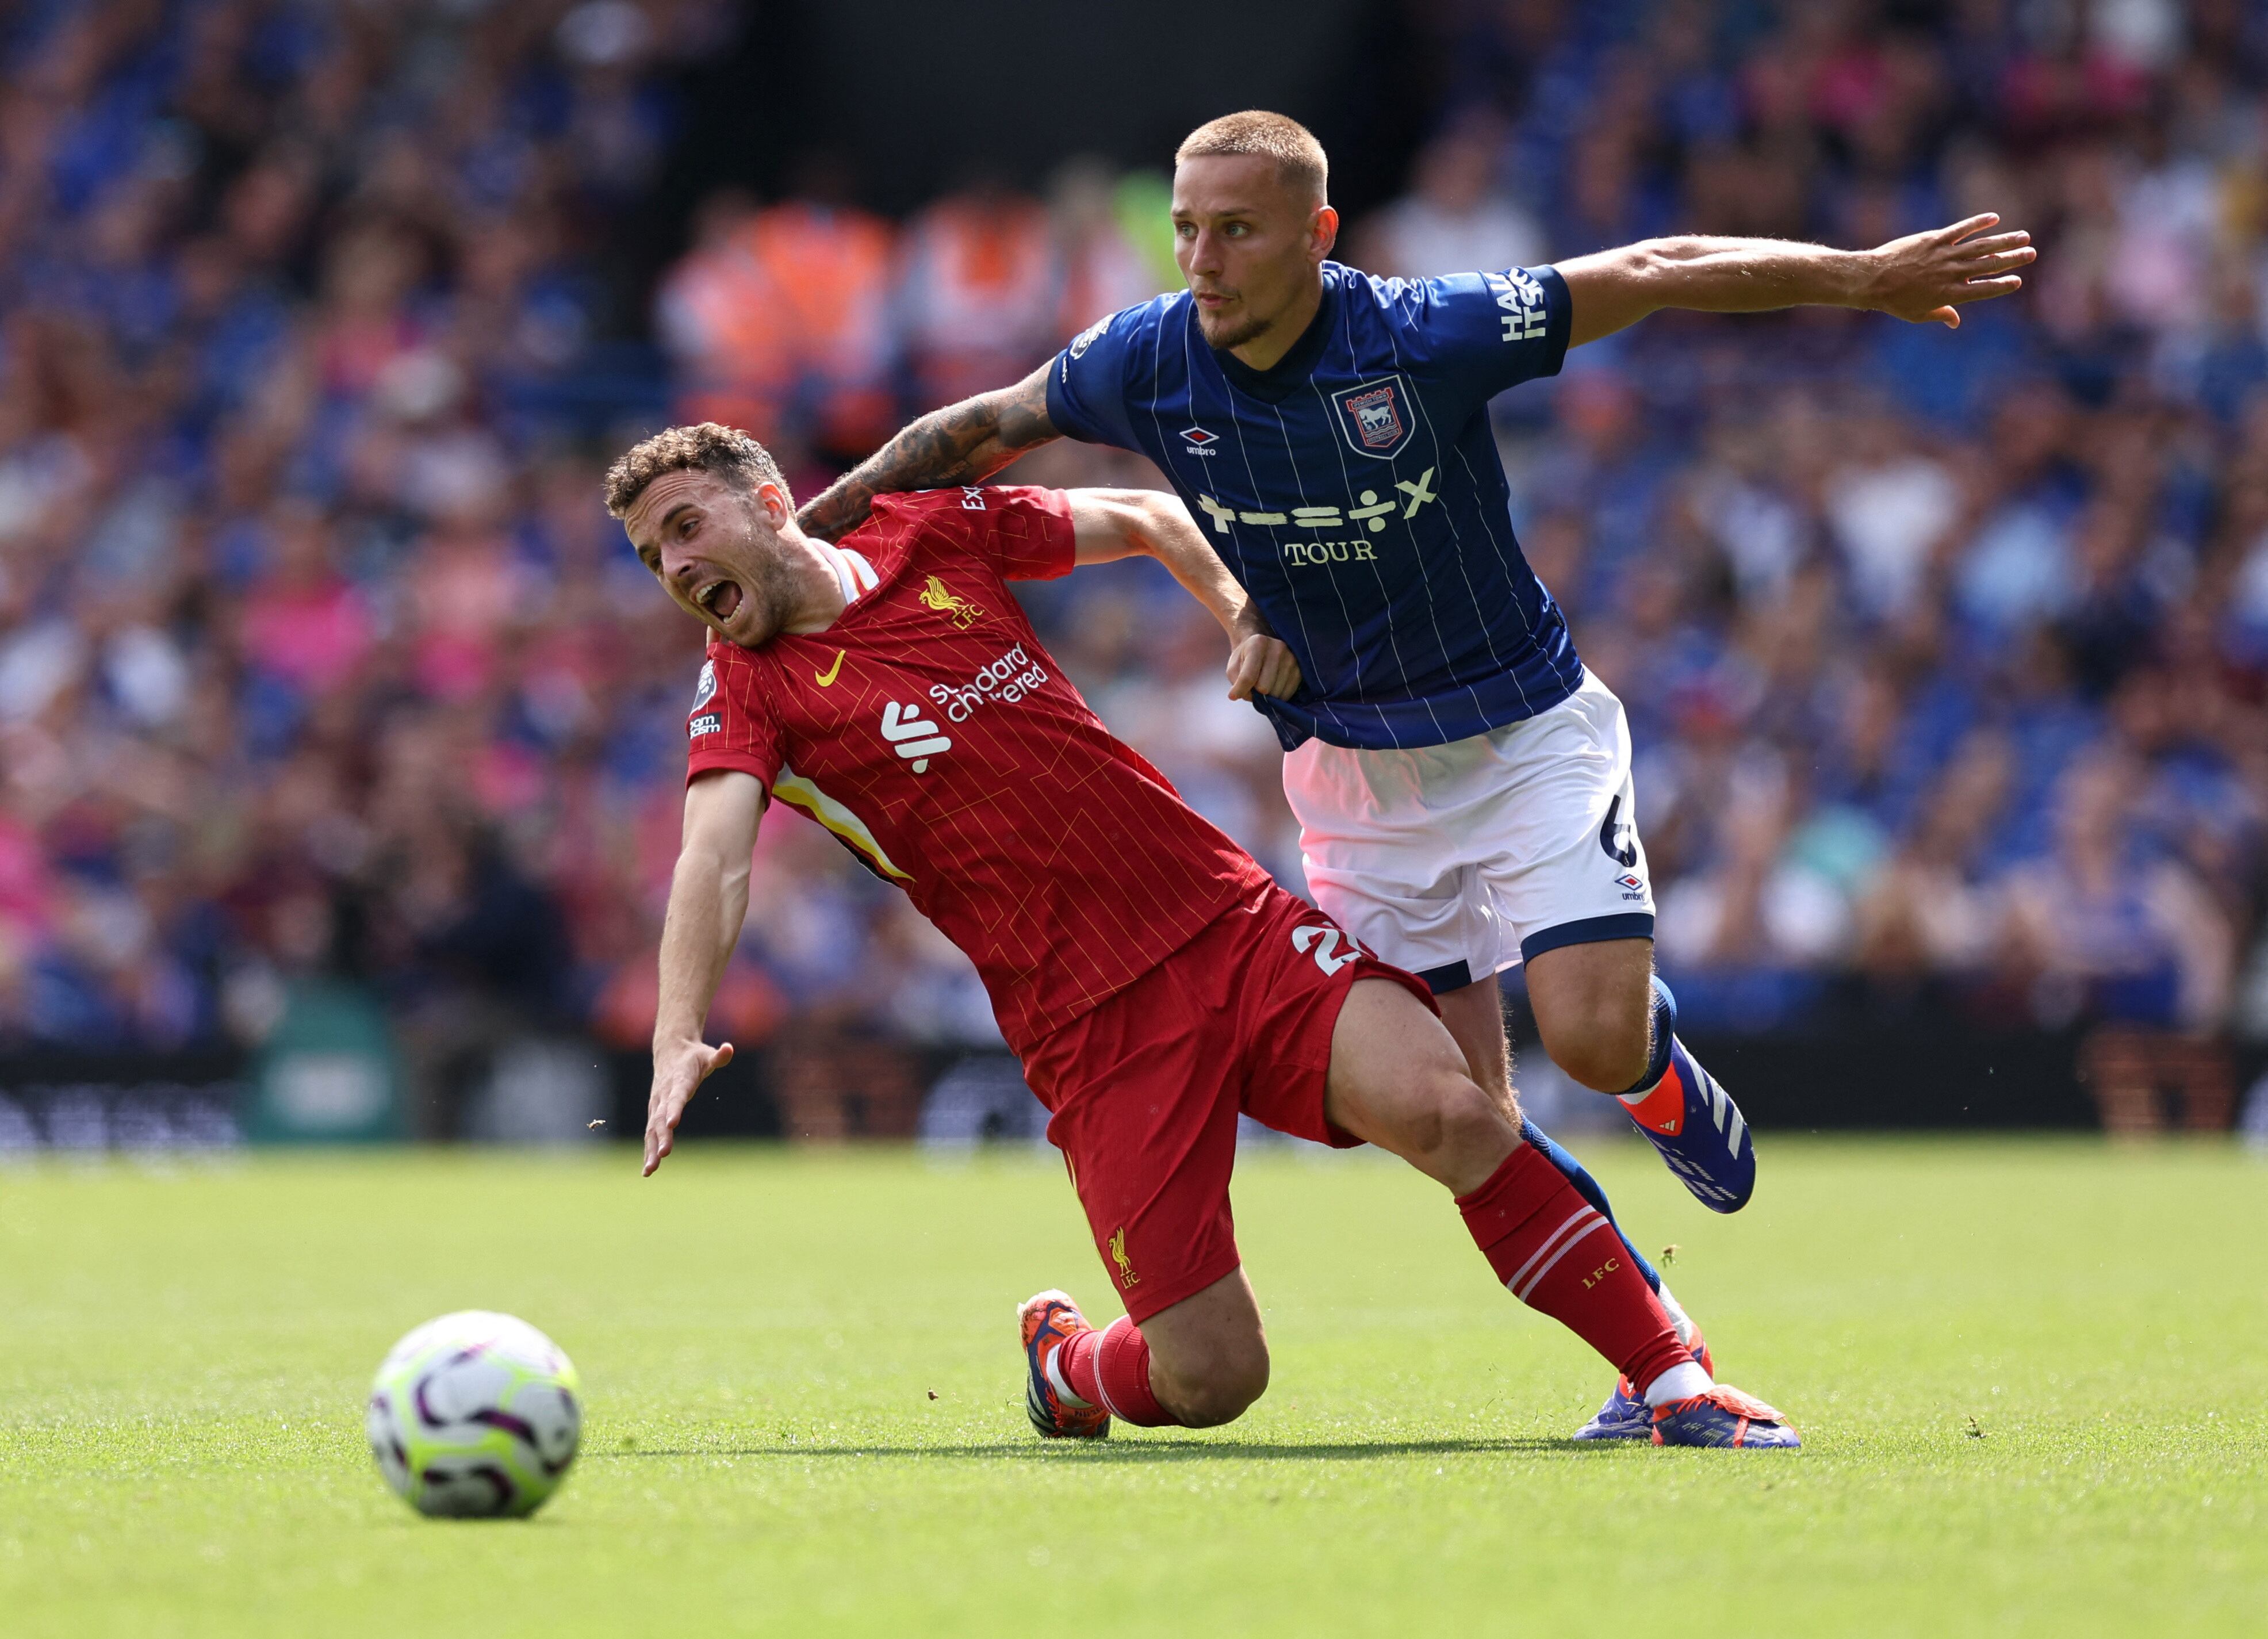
(1724, 1417)
(1692, 1120)
(1626, 1415)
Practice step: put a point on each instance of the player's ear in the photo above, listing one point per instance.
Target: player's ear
(1323, 232)
(772, 501)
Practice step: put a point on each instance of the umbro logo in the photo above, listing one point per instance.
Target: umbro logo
(1631, 882)
(1200, 442)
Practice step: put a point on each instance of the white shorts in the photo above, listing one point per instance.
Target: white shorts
(1458, 861)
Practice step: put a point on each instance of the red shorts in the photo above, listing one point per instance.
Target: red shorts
(1146, 1088)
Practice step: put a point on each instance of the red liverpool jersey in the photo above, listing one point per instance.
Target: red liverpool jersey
(933, 734)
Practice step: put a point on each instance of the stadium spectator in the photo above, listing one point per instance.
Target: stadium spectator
(979, 291)
(1454, 218)
(780, 319)
(2135, 945)
(1104, 269)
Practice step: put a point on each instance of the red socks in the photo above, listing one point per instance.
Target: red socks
(1110, 1368)
(1553, 1251)
(1558, 1254)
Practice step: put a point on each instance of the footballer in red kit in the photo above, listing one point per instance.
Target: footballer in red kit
(1154, 980)
(932, 733)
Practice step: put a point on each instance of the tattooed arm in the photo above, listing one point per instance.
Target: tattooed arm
(963, 443)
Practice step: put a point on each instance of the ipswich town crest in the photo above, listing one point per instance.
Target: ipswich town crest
(1375, 416)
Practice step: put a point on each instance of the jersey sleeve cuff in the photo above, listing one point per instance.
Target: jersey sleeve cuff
(1032, 533)
(703, 762)
(1062, 415)
(1561, 324)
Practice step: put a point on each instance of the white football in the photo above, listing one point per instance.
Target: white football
(474, 1416)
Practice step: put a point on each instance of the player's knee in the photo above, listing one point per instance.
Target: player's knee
(1605, 1050)
(1226, 1393)
(1446, 1109)
(1220, 1386)
(1467, 1121)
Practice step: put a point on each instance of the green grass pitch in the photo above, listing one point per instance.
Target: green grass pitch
(2030, 1375)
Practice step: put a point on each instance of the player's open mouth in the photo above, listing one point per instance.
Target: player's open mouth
(720, 597)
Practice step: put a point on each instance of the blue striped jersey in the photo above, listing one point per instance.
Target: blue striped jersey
(1355, 491)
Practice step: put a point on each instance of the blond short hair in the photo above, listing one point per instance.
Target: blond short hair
(1299, 157)
(707, 446)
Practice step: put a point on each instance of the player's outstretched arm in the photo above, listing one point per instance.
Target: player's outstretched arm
(963, 443)
(708, 899)
(1108, 524)
(1922, 278)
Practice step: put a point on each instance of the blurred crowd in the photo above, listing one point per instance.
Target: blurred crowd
(1945, 652)
(318, 658)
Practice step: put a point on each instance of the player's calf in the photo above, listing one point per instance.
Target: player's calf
(1610, 1022)
(1196, 1364)
(1398, 1080)
(1208, 1355)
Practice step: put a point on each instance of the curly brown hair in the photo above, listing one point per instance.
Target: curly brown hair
(729, 453)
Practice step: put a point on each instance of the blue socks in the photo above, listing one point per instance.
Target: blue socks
(1665, 1032)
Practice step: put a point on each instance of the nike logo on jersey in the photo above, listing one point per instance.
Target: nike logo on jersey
(826, 679)
(915, 737)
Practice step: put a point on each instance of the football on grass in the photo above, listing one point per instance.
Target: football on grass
(474, 1416)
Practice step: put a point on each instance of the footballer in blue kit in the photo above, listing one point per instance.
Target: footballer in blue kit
(1354, 488)
(1462, 781)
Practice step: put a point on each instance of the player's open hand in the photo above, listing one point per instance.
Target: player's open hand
(1924, 278)
(1260, 664)
(678, 1072)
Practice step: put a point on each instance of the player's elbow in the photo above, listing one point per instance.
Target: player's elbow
(1614, 289)
(1110, 524)
(1161, 507)
(1654, 259)
(1152, 516)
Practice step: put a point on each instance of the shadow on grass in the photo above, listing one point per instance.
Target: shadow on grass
(1152, 1451)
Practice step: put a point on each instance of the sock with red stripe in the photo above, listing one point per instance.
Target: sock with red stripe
(1559, 1254)
(1587, 1188)
(1110, 1368)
